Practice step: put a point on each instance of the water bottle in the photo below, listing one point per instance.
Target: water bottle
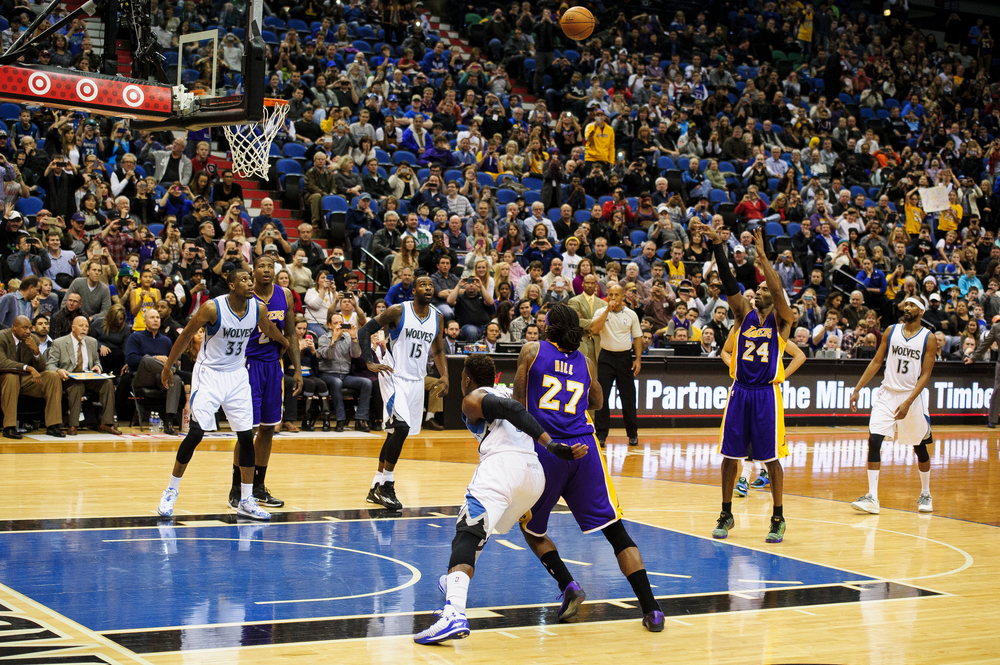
(154, 423)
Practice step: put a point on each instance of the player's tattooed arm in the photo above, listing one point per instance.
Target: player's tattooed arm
(268, 328)
(293, 343)
(874, 366)
(524, 360)
(389, 318)
(206, 315)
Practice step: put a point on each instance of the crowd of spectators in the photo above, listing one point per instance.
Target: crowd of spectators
(819, 123)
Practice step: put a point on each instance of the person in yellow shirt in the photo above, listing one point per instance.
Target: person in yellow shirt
(143, 299)
(805, 34)
(914, 213)
(600, 140)
(950, 217)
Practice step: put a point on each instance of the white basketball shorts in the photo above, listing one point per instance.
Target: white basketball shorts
(211, 389)
(402, 400)
(909, 431)
(504, 488)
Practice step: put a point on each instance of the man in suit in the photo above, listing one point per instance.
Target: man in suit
(984, 348)
(76, 352)
(25, 374)
(585, 304)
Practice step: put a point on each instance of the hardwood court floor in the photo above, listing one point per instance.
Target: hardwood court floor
(950, 561)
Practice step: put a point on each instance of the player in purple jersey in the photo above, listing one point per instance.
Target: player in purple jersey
(266, 376)
(557, 384)
(753, 424)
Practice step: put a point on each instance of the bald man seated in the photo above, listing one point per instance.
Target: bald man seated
(76, 352)
(25, 374)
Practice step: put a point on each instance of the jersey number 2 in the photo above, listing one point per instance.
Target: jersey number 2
(554, 386)
(234, 350)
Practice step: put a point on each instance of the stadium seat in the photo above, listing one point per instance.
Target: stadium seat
(453, 174)
(532, 183)
(532, 196)
(858, 189)
(581, 216)
(793, 228)
(289, 166)
(616, 253)
(665, 163)
(404, 156)
(293, 150)
(334, 203)
(506, 195)
(639, 237)
(29, 206)
(774, 229)
(156, 229)
(383, 157)
(486, 180)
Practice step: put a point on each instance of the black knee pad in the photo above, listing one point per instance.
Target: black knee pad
(245, 441)
(875, 447)
(394, 443)
(190, 442)
(468, 542)
(921, 450)
(618, 537)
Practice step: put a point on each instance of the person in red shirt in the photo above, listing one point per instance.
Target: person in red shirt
(751, 210)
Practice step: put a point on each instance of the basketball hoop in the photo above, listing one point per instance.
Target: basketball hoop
(250, 143)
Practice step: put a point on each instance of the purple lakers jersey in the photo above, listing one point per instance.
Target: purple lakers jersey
(558, 386)
(261, 347)
(757, 354)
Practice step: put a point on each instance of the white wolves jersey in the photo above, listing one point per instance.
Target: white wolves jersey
(499, 436)
(225, 345)
(411, 342)
(905, 359)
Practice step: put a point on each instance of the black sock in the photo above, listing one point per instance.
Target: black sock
(258, 475)
(557, 569)
(237, 479)
(643, 592)
(727, 507)
(778, 512)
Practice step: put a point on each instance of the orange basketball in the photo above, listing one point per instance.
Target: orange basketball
(577, 23)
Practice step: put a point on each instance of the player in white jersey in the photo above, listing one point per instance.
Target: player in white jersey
(899, 407)
(507, 483)
(415, 330)
(220, 379)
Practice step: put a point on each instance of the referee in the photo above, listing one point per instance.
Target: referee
(620, 359)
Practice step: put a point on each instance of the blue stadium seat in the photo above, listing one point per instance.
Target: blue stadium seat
(29, 206)
(269, 37)
(774, 229)
(857, 189)
(506, 195)
(156, 229)
(532, 183)
(404, 156)
(639, 237)
(665, 163)
(718, 196)
(633, 203)
(764, 197)
(362, 46)
(382, 156)
(726, 167)
(581, 216)
(617, 253)
(293, 150)
(190, 75)
(289, 166)
(772, 184)
(531, 196)
(793, 228)
(485, 180)
(453, 174)
(683, 163)
(423, 174)
(605, 199)
(334, 203)
(274, 22)
(298, 25)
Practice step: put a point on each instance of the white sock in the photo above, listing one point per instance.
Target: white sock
(378, 479)
(175, 483)
(747, 469)
(458, 590)
(925, 482)
(387, 477)
(429, 416)
(246, 491)
(873, 483)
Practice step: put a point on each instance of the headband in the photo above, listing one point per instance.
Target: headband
(918, 302)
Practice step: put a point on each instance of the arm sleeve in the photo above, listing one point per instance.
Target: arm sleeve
(729, 284)
(500, 408)
(365, 339)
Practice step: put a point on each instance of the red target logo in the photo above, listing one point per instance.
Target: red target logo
(39, 83)
(133, 96)
(86, 89)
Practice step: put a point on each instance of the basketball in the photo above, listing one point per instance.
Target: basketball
(578, 23)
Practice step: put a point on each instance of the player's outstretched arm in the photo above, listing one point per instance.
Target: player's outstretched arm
(734, 294)
(481, 405)
(782, 310)
(595, 398)
(440, 360)
(873, 367)
(798, 357)
(524, 360)
(205, 316)
(390, 318)
(926, 367)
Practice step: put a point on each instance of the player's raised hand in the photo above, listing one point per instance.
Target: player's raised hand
(758, 241)
(379, 368)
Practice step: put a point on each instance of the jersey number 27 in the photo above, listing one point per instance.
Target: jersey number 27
(555, 386)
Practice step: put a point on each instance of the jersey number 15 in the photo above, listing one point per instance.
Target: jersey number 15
(555, 386)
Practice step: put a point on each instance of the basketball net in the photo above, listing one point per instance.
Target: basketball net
(250, 143)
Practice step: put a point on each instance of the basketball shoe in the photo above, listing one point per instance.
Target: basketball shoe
(777, 532)
(741, 487)
(573, 597)
(722, 527)
(452, 625)
(762, 481)
(234, 498)
(265, 498)
(654, 621)
(386, 495)
(924, 504)
(867, 504)
(166, 507)
(248, 508)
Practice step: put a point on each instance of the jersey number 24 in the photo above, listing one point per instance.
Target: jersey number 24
(761, 350)
(555, 386)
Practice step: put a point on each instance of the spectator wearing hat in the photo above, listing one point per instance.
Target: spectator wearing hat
(361, 223)
(934, 316)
